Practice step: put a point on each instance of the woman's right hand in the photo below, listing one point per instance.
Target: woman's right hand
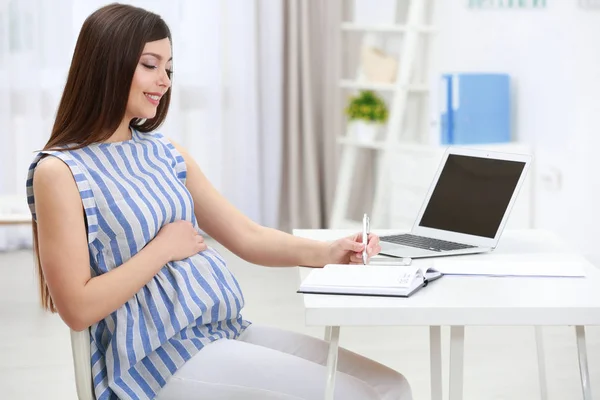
(180, 240)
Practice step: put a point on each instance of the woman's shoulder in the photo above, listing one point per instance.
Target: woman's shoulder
(51, 169)
(54, 165)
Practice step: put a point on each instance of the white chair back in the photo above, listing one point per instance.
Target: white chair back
(80, 344)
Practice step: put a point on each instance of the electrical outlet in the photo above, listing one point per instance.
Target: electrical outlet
(551, 179)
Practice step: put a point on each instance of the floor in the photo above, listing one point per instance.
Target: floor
(500, 363)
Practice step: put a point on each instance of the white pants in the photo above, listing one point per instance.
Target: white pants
(271, 364)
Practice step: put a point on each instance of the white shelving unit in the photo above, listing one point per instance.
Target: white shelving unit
(348, 84)
(398, 127)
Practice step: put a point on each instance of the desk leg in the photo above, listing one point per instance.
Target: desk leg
(332, 358)
(435, 360)
(583, 364)
(539, 341)
(457, 348)
(327, 337)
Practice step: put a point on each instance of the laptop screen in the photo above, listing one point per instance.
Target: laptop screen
(472, 195)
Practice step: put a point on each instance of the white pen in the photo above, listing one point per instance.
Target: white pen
(365, 238)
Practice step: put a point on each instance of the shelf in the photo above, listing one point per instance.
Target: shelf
(374, 144)
(348, 84)
(381, 145)
(426, 149)
(412, 147)
(351, 26)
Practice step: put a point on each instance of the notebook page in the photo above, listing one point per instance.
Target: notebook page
(364, 276)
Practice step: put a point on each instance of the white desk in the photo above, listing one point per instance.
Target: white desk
(462, 301)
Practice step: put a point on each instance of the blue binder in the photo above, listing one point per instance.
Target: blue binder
(476, 108)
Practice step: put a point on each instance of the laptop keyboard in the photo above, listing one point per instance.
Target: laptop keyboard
(424, 242)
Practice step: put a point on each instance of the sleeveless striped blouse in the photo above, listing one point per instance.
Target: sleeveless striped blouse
(129, 190)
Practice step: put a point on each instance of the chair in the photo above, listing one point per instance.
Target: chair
(80, 344)
(80, 341)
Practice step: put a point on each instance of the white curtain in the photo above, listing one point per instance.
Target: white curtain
(310, 96)
(226, 103)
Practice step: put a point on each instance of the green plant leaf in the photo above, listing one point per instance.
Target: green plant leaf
(367, 106)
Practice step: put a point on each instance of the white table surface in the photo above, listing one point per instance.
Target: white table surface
(473, 300)
(460, 301)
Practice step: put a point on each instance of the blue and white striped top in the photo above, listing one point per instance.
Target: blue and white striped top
(129, 190)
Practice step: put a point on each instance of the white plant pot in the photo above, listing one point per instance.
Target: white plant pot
(365, 131)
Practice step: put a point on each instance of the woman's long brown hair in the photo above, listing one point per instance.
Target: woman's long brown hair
(94, 101)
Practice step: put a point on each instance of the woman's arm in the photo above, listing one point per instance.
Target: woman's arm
(276, 248)
(63, 249)
(247, 239)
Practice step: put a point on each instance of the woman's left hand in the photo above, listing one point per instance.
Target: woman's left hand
(348, 250)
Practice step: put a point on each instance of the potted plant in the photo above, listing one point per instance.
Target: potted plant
(366, 112)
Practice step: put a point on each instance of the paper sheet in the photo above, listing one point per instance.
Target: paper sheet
(562, 268)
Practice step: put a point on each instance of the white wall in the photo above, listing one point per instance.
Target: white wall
(553, 56)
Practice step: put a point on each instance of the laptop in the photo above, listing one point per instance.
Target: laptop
(466, 207)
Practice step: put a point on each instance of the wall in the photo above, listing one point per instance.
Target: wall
(554, 58)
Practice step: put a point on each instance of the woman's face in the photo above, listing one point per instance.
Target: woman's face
(152, 78)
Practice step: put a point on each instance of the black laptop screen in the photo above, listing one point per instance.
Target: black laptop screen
(472, 195)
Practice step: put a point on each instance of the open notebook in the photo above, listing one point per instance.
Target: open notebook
(367, 280)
